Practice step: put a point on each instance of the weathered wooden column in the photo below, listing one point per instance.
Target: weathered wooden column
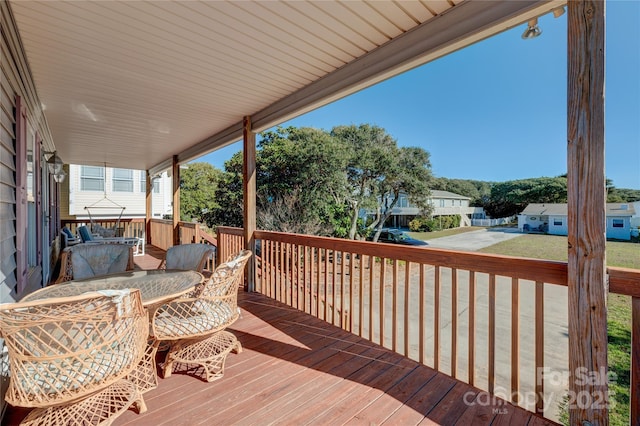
(586, 204)
(249, 192)
(148, 208)
(175, 174)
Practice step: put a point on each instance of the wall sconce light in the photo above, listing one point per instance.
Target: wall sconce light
(59, 177)
(54, 162)
(532, 30)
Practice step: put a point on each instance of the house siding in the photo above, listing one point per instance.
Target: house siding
(74, 200)
(16, 82)
(620, 233)
(561, 229)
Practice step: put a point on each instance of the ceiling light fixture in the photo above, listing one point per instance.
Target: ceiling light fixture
(532, 30)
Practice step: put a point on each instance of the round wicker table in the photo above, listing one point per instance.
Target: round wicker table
(156, 286)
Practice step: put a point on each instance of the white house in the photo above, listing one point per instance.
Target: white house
(444, 203)
(102, 192)
(552, 219)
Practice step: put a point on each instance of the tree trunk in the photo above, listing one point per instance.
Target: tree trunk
(354, 220)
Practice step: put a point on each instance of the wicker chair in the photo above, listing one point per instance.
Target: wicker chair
(190, 257)
(68, 356)
(195, 325)
(90, 260)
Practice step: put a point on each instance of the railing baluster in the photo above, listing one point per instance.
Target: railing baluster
(382, 308)
(421, 328)
(407, 280)
(372, 263)
(361, 297)
(394, 310)
(343, 323)
(351, 289)
(436, 318)
(325, 292)
(472, 327)
(492, 333)
(333, 285)
(318, 255)
(454, 322)
(539, 346)
(515, 339)
(305, 267)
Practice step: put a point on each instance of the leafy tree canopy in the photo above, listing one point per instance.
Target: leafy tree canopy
(198, 184)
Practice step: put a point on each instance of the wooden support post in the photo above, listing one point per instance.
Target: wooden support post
(148, 208)
(249, 190)
(586, 218)
(175, 178)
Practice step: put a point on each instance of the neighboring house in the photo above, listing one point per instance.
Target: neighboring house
(552, 219)
(102, 191)
(444, 203)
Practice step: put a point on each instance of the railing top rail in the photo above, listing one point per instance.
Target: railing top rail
(128, 220)
(230, 230)
(625, 281)
(165, 221)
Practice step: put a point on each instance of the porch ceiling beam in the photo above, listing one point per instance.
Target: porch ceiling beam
(465, 24)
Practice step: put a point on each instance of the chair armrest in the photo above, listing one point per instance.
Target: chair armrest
(66, 269)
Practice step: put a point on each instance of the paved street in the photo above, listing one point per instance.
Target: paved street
(472, 241)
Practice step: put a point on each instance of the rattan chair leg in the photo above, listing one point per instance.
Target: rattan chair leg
(101, 408)
(145, 376)
(210, 353)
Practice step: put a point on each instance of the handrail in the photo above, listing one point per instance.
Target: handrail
(418, 301)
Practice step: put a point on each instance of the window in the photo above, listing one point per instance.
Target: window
(402, 201)
(122, 180)
(156, 186)
(143, 182)
(618, 223)
(441, 203)
(91, 178)
(557, 222)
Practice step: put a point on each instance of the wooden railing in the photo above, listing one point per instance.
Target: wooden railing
(126, 227)
(232, 242)
(496, 322)
(161, 233)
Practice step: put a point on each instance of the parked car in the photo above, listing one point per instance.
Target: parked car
(396, 236)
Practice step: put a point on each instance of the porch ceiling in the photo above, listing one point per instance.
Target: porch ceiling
(132, 83)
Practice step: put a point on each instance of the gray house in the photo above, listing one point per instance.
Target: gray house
(552, 219)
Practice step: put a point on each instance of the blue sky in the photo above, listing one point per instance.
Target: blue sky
(496, 110)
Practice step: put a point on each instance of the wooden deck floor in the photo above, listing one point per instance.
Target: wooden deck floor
(295, 369)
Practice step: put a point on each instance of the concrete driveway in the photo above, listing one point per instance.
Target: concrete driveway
(472, 241)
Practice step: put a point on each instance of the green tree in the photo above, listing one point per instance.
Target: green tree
(511, 197)
(409, 172)
(301, 181)
(198, 184)
(371, 153)
(228, 211)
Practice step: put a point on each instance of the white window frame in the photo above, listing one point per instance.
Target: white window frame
(118, 178)
(86, 178)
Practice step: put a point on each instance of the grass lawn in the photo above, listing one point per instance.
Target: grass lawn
(619, 254)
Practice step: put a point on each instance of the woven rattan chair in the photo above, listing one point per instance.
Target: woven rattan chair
(189, 257)
(68, 356)
(90, 260)
(195, 325)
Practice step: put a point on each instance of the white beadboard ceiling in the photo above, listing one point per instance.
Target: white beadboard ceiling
(133, 83)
